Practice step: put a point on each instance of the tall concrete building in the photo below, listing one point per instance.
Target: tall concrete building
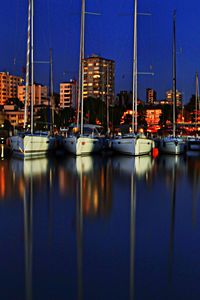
(8, 86)
(40, 94)
(169, 97)
(99, 78)
(68, 94)
(150, 96)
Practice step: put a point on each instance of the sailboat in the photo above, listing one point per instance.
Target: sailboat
(82, 141)
(31, 144)
(193, 143)
(133, 144)
(173, 144)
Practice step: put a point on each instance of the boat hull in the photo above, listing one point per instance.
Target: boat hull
(193, 144)
(31, 146)
(172, 146)
(82, 145)
(133, 146)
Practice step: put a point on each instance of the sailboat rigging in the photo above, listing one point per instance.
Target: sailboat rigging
(133, 144)
(173, 144)
(80, 142)
(30, 144)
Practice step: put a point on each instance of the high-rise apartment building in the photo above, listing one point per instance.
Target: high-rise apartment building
(99, 78)
(169, 97)
(40, 94)
(150, 96)
(68, 94)
(8, 86)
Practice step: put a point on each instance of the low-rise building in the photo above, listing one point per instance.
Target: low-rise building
(8, 86)
(40, 94)
(153, 118)
(68, 94)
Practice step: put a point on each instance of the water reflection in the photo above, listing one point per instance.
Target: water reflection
(140, 166)
(28, 233)
(193, 171)
(132, 236)
(113, 224)
(94, 173)
(172, 217)
(27, 174)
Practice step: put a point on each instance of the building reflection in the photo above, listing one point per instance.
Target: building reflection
(193, 172)
(95, 173)
(96, 185)
(164, 167)
(67, 176)
(3, 177)
(14, 172)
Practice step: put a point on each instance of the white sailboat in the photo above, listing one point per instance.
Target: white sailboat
(133, 144)
(82, 143)
(173, 144)
(31, 144)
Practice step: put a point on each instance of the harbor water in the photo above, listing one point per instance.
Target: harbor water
(100, 227)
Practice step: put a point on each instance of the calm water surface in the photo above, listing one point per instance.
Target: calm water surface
(100, 228)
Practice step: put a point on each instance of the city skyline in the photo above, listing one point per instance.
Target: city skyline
(108, 35)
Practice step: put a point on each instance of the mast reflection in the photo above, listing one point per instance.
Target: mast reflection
(96, 188)
(93, 199)
(132, 235)
(172, 222)
(25, 174)
(28, 233)
(132, 169)
(172, 166)
(193, 171)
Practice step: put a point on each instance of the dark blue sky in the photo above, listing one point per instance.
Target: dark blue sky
(57, 25)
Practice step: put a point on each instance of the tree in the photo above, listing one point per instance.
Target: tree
(7, 125)
(190, 109)
(65, 117)
(95, 110)
(166, 114)
(115, 115)
(141, 116)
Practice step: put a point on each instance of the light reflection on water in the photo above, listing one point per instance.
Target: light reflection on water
(100, 228)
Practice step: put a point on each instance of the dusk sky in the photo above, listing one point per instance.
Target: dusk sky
(57, 25)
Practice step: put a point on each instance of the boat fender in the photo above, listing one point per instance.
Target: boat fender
(154, 152)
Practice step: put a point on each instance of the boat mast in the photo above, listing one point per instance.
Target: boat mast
(82, 52)
(32, 64)
(107, 101)
(51, 99)
(174, 74)
(27, 64)
(81, 72)
(134, 107)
